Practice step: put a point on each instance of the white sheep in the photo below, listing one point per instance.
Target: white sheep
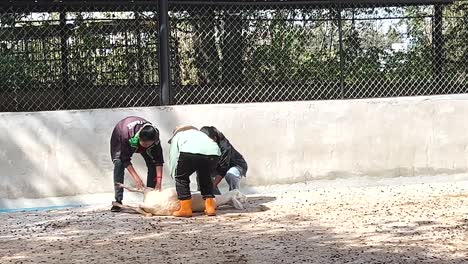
(165, 202)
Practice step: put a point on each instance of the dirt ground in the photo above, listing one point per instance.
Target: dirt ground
(413, 223)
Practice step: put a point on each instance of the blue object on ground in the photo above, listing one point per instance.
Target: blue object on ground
(13, 210)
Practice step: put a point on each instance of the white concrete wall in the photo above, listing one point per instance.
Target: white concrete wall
(65, 153)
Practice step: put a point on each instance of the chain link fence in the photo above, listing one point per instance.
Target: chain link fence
(261, 53)
(97, 54)
(78, 57)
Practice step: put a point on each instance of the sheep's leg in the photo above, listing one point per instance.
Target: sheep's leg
(143, 212)
(237, 204)
(133, 208)
(130, 189)
(222, 199)
(160, 212)
(234, 198)
(124, 206)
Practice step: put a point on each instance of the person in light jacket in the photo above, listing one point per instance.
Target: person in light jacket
(193, 151)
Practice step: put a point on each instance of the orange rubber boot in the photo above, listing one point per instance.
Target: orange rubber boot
(210, 207)
(185, 209)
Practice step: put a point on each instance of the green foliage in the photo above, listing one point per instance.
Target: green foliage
(221, 46)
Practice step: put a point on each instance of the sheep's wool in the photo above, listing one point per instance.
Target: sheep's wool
(160, 203)
(166, 202)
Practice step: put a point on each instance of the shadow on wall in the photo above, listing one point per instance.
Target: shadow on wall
(66, 153)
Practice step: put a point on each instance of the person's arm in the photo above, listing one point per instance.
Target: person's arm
(223, 163)
(158, 154)
(224, 160)
(159, 173)
(126, 157)
(173, 155)
(138, 182)
(217, 180)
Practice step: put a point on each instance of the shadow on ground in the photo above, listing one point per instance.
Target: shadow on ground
(255, 235)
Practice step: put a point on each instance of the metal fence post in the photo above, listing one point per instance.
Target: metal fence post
(164, 64)
(64, 58)
(438, 41)
(340, 36)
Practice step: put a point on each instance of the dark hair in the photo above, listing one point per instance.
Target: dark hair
(149, 133)
(213, 133)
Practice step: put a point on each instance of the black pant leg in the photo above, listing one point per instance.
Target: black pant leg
(151, 165)
(205, 167)
(119, 172)
(184, 169)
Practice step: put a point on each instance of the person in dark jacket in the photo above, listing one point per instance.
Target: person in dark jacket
(135, 135)
(231, 166)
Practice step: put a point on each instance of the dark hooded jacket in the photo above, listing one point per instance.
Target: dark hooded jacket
(125, 142)
(230, 157)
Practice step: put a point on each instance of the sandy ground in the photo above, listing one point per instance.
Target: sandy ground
(412, 223)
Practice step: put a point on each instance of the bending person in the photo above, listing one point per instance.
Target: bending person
(231, 166)
(192, 151)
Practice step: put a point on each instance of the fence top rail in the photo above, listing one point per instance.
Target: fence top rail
(151, 5)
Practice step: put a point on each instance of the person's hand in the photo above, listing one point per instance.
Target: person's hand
(139, 183)
(158, 187)
(136, 179)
